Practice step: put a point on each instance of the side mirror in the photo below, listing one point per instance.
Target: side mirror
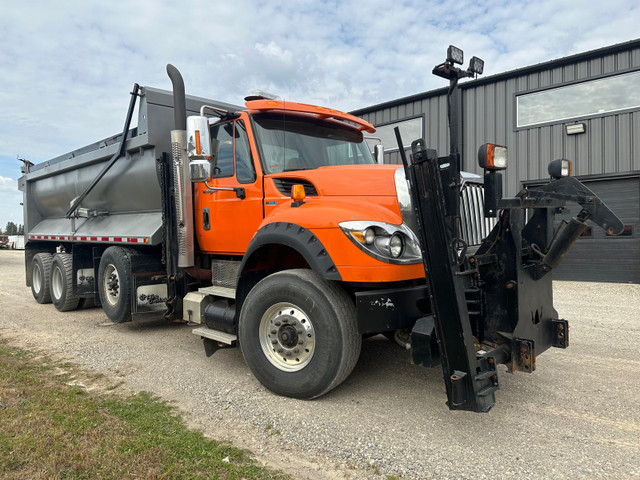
(199, 170)
(378, 154)
(199, 148)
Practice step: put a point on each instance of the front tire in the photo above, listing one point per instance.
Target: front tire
(61, 283)
(114, 283)
(40, 276)
(298, 334)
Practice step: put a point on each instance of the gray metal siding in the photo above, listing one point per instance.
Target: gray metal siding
(610, 144)
(435, 129)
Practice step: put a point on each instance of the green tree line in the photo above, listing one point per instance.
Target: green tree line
(12, 229)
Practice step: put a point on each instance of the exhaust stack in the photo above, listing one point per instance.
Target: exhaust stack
(181, 183)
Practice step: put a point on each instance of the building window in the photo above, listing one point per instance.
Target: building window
(410, 130)
(594, 97)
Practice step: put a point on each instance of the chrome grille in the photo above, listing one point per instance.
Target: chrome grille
(474, 225)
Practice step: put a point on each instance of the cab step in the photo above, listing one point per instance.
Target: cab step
(216, 291)
(214, 340)
(216, 335)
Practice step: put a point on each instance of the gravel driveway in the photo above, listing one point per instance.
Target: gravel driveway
(577, 416)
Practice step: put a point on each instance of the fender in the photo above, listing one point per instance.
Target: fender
(298, 238)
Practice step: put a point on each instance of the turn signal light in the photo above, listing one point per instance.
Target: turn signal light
(492, 157)
(297, 193)
(198, 144)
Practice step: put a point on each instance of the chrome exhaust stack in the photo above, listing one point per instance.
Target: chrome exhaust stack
(182, 185)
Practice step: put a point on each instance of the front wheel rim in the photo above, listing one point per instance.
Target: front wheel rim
(287, 337)
(111, 282)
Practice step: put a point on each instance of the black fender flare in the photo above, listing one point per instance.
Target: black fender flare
(301, 240)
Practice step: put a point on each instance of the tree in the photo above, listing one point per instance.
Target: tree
(20, 229)
(11, 229)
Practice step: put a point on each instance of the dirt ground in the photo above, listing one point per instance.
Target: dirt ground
(576, 416)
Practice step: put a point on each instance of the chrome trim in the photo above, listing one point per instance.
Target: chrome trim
(411, 252)
(404, 200)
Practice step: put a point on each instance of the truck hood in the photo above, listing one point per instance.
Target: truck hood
(347, 180)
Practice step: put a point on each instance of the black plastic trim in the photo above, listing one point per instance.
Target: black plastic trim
(300, 239)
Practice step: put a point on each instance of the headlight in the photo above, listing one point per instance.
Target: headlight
(396, 245)
(369, 236)
(384, 241)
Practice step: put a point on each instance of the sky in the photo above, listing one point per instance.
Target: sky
(67, 67)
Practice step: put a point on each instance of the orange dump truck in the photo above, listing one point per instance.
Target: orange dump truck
(272, 227)
(278, 232)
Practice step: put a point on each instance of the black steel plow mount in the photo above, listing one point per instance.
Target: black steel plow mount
(492, 304)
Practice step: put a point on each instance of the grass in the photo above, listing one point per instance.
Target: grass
(51, 427)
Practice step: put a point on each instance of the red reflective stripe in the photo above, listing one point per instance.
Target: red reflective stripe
(89, 239)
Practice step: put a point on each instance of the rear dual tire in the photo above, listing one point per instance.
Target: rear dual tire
(40, 277)
(61, 283)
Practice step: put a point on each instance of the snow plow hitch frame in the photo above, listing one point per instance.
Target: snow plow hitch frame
(493, 305)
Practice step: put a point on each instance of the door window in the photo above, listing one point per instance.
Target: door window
(233, 144)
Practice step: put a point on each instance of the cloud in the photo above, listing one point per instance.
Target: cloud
(67, 68)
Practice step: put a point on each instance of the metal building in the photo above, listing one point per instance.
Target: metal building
(584, 107)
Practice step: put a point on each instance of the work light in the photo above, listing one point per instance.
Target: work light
(455, 55)
(560, 168)
(476, 65)
(492, 157)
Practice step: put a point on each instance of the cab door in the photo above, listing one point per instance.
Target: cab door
(229, 212)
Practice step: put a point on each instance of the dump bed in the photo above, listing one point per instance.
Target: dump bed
(126, 204)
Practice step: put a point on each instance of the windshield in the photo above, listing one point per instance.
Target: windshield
(296, 142)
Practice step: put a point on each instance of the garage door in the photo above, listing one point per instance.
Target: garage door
(596, 256)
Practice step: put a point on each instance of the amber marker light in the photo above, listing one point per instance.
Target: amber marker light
(198, 144)
(297, 193)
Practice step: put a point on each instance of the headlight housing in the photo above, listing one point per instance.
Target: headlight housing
(386, 242)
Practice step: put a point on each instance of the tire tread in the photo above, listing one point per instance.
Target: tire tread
(45, 259)
(70, 301)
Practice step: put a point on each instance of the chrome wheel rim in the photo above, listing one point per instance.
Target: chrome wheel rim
(36, 278)
(111, 282)
(287, 337)
(56, 283)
